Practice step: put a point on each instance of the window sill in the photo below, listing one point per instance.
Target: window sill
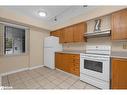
(9, 55)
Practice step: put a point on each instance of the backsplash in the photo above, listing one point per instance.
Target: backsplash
(119, 46)
(74, 46)
(116, 45)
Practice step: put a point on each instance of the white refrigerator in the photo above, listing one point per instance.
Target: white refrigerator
(51, 45)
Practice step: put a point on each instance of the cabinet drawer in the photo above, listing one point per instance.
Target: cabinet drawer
(76, 56)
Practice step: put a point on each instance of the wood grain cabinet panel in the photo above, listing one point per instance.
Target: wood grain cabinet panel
(67, 34)
(119, 73)
(78, 31)
(119, 25)
(57, 33)
(58, 62)
(73, 33)
(68, 62)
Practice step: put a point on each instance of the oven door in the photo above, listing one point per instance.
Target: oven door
(95, 66)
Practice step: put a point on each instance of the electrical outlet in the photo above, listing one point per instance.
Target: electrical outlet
(125, 46)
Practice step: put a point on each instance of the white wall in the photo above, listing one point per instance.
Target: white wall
(33, 58)
(36, 47)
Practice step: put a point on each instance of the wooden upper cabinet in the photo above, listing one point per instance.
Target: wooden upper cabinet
(67, 34)
(55, 33)
(73, 33)
(119, 73)
(78, 33)
(119, 25)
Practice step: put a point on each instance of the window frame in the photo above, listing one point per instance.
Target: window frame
(26, 38)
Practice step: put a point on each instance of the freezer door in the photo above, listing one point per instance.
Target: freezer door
(51, 41)
(49, 58)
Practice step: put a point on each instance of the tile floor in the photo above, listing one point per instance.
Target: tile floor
(43, 78)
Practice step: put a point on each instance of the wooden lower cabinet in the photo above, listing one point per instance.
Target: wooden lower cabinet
(58, 58)
(119, 73)
(68, 62)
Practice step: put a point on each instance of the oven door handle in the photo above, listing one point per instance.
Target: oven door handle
(100, 60)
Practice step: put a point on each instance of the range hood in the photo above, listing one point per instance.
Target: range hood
(98, 34)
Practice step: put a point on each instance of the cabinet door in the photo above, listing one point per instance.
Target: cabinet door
(67, 61)
(68, 34)
(119, 73)
(79, 30)
(119, 25)
(58, 60)
(55, 33)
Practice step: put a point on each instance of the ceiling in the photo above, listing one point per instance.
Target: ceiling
(64, 14)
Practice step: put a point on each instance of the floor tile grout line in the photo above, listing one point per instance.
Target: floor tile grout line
(38, 71)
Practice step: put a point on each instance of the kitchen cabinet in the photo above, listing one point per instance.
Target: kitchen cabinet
(119, 73)
(68, 62)
(57, 33)
(70, 34)
(58, 62)
(119, 25)
(67, 34)
(78, 32)
(75, 65)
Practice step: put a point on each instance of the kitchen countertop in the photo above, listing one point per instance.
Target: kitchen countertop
(115, 54)
(72, 52)
(119, 54)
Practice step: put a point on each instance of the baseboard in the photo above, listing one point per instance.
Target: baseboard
(19, 70)
(15, 71)
(30, 68)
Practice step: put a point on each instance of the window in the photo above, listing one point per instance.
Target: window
(14, 40)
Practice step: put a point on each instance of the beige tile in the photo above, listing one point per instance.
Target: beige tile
(39, 79)
(50, 86)
(35, 75)
(15, 82)
(25, 77)
(44, 78)
(64, 85)
(70, 81)
(74, 77)
(79, 85)
(43, 82)
(46, 75)
(72, 87)
(51, 78)
(54, 72)
(57, 81)
(19, 86)
(31, 84)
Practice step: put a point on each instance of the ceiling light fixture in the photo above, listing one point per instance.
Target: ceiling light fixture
(55, 19)
(42, 14)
